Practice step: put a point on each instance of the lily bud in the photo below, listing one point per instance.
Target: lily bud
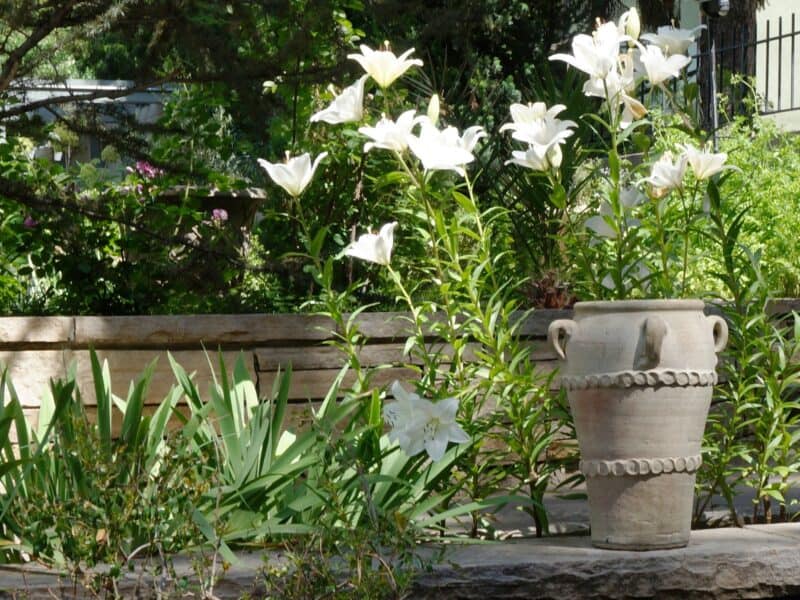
(433, 109)
(633, 24)
(554, 156)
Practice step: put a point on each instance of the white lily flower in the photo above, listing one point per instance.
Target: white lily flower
(373, 247)
(398, 415)
(535, 124)
(537, 158)
(382, 65)
(596, 54)
(601, 87)
(600, 225)
(347, 107)
(419, 424)
(659, 67)
(549, 132)
(295, 174)
(667, 173)
(672, 40)
(619, 81)
(391, 135)
(433, 109)
(617, 86)
(443, 150)
(531, 114)
(469, 139)
(703, 162)
(632, 110)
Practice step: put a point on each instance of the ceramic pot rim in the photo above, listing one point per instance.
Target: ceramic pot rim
(639, 305)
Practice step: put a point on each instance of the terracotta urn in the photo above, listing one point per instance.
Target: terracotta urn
(639, 375)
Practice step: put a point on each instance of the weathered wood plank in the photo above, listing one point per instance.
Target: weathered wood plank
(193, 331)
(32, 332)
(329, 357)
(126, 365)
(183, 331)
(30, 372)
(537, 322)
(393, 325)
(783, 306)
(314, 385)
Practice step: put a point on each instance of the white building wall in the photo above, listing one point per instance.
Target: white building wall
(780, 87)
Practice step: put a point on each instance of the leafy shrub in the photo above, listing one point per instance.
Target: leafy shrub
(224, 475)
(769, 186)
(78, 496)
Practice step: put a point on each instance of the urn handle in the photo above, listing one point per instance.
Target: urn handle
(719, 329)
(557, 329)
(655, 330)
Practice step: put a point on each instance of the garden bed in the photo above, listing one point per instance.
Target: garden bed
(269, 343)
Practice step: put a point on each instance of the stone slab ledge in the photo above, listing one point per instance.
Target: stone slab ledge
(761, 561)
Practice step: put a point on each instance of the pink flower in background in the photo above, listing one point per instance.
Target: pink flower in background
(29, 222)
(146, 170)
(220, 215)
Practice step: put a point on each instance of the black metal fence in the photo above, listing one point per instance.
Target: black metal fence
(783, 52)
(771, 58)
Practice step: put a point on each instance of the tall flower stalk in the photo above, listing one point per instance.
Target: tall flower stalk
(620, 257)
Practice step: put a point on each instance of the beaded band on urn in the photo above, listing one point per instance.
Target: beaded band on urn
(640, 466)
(626, 379)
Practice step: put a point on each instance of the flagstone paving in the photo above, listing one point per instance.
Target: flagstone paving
(760, 561)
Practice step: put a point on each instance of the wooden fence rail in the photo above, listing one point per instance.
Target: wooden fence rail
(38, 349)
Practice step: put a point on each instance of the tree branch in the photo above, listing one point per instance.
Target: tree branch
(26, 197)
(14, 59)
(26, 107)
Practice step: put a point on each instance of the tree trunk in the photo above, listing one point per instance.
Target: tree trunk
(733, 37)
(656, 13)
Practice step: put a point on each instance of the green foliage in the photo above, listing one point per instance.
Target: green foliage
(139, 245)
(464, 295)
(123, 484)
(542, 206)
(760, 196)
(769, 187)
(478, 56)
(77, 495)
(380, 566)
(752, 432)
